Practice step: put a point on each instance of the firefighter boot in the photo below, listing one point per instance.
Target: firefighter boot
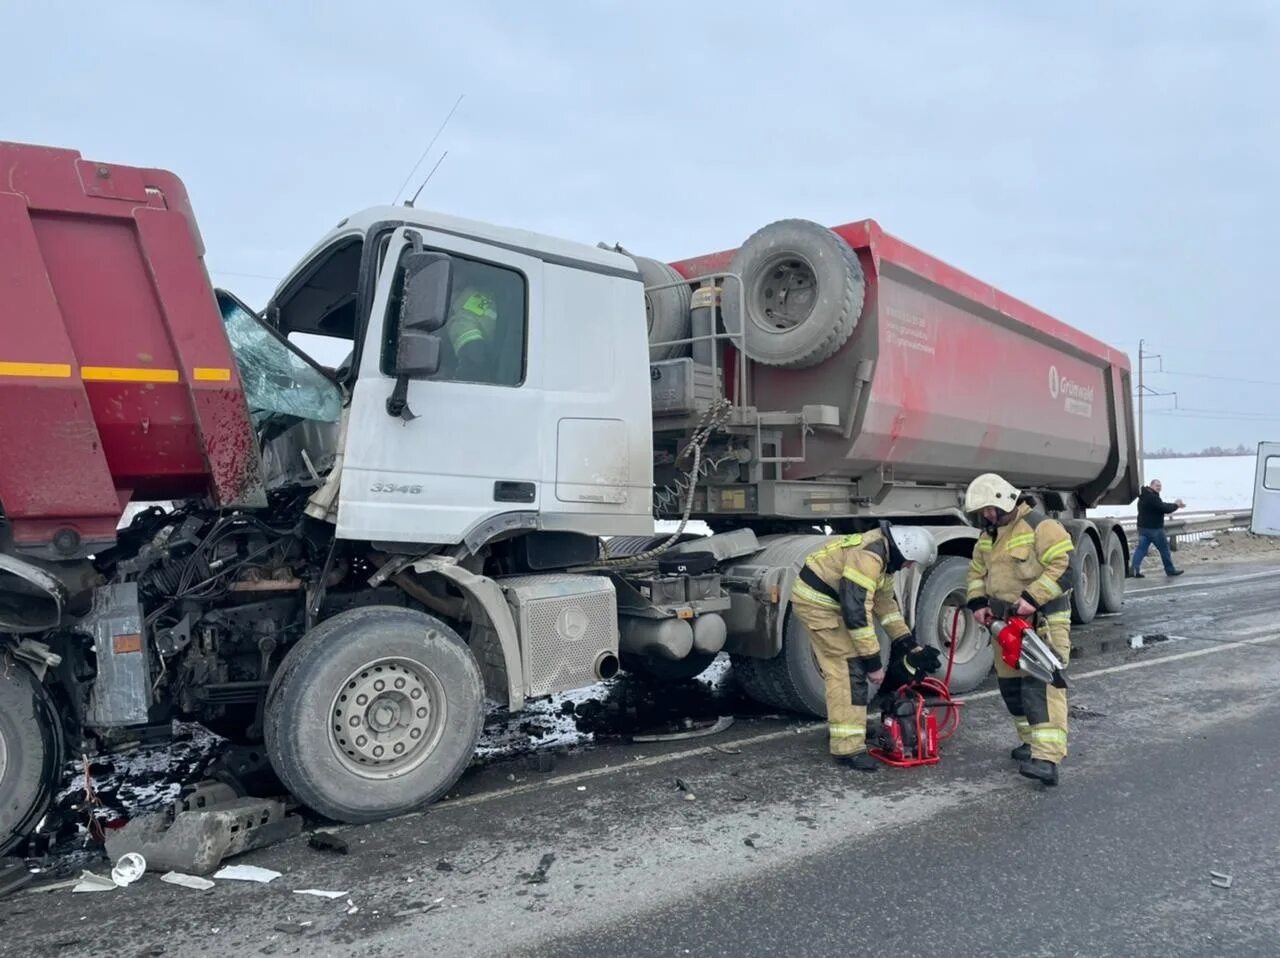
(862, 762)
(1021, 753)
(1039, 769)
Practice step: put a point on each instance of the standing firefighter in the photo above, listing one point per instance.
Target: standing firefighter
(841, 591)
(1020, 567)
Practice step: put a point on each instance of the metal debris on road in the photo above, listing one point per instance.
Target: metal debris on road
(327, 842)
(320, 893)
(194, 882)
(247, 873)
(724, 750)
(720, 724)
(539, 875)
(208, 826)
(1220, 880)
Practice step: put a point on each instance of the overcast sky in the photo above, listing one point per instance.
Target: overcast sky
(1114, 164)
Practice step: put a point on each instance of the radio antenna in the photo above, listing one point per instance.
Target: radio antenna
(410, 203)
(428, 150)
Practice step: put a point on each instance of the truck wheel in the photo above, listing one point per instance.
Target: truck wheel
(667, 310)
(669, 670)
(375, 712)
(803, 290)
(1111, 591)
(941, 599)
(791, 680)
(31, 753)
(1084, 597)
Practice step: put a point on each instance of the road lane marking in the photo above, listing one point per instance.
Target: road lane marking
(810, 727)
(1202, 583)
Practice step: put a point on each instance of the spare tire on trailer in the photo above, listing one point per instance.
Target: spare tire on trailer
(800, 297)
(666, 310)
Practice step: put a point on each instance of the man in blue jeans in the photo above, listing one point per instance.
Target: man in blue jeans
(1151, 512)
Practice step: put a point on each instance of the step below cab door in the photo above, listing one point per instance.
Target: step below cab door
(1266, 491)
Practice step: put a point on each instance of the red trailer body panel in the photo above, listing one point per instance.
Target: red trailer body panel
(117, 381)
(945, 377)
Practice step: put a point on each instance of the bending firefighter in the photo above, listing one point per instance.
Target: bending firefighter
(1020, 566)
(842, 590)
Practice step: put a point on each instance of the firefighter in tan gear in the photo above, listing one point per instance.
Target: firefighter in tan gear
(1020, 566)
(841, 591)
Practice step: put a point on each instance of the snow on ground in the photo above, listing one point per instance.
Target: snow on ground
(1206, 485)
(570, 719)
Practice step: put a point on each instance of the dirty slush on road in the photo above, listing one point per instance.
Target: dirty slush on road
(104, 793)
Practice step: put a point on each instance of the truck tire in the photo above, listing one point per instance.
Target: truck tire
(791, 680)
(374, 713)
(1111, 590)
(1088, 575)
(667, 310)
(941, 595)
(31, 754)
(803, 289)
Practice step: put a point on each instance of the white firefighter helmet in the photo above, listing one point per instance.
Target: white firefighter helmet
(915, 544)
(990, 490)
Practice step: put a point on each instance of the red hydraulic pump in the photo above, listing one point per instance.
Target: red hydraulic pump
(910, 730)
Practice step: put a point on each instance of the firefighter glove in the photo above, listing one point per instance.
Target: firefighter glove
(925, 660)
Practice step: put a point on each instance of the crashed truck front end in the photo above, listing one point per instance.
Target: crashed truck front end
(134, 382)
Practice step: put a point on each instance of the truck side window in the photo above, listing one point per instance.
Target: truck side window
(277, 381)
(484, 338)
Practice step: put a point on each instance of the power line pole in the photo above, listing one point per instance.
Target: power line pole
(1141, 391)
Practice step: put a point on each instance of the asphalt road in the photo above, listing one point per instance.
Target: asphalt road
(1171, 775)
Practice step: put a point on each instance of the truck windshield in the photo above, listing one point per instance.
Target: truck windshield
(277, 381)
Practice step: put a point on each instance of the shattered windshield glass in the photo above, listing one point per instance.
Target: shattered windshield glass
(276, 380)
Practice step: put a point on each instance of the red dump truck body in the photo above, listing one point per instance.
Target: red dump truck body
(116, 379)
(963, 379)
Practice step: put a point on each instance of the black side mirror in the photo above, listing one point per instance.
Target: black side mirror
(424, 308)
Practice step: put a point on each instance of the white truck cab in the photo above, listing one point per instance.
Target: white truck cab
(553, 431)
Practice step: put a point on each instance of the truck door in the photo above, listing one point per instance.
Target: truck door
(1266, 491)
(458, 449)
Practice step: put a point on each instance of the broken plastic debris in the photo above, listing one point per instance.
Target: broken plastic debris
(247, 873)
(194, 882)
(129, 869)
(1219, 880)
(91, 882)
(320, 893)
(582, 788)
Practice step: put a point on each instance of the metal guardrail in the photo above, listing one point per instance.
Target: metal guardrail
(1194, 525)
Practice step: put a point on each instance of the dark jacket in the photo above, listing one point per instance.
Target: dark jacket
(1152, 509)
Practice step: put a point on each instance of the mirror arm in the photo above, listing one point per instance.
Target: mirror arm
(398, 401)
